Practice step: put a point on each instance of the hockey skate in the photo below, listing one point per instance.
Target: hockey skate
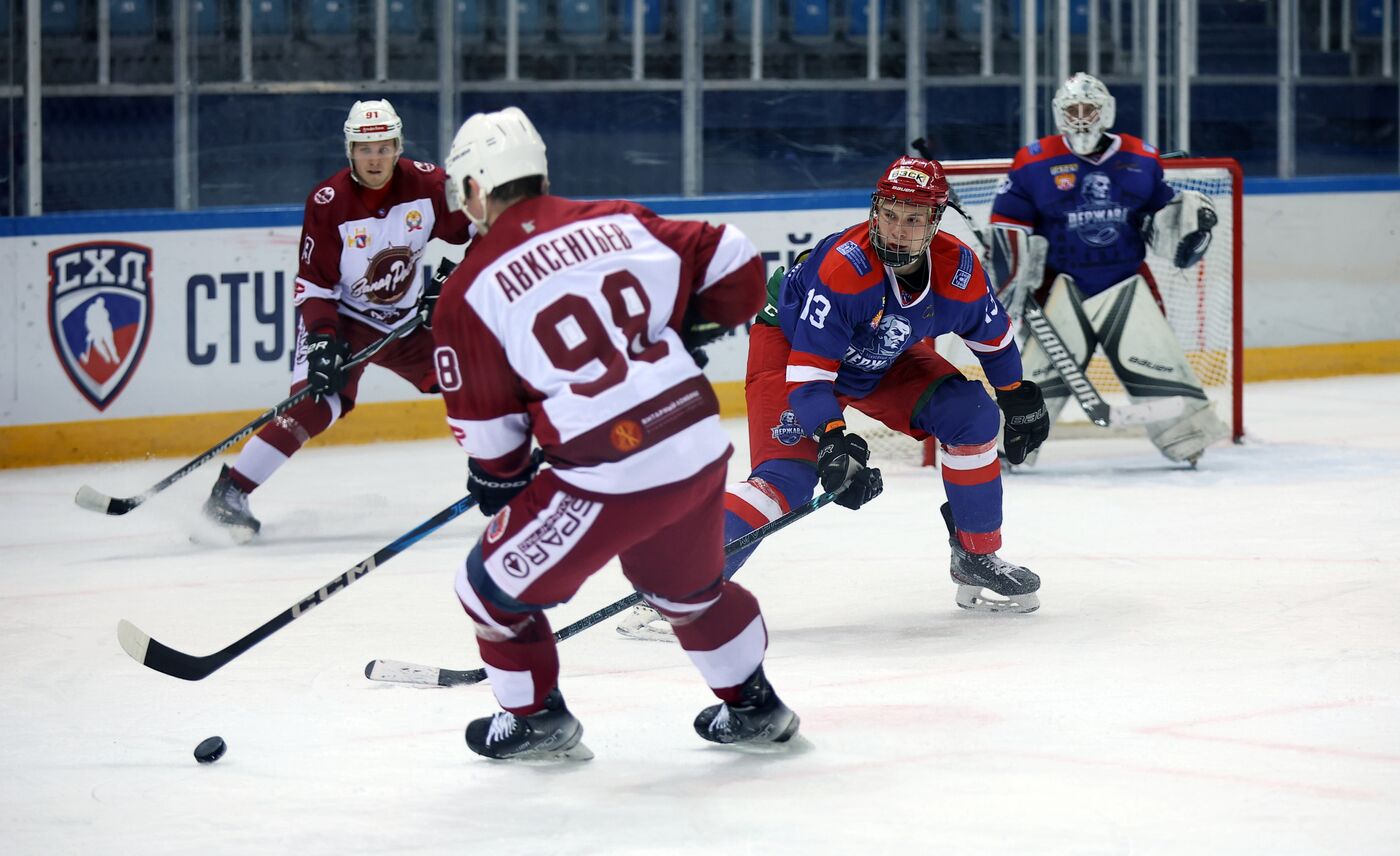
(759, 718)
(1015, 587)
(644, 623)
(552, 734)
(228, 507)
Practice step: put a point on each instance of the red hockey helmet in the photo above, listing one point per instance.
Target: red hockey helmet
(906, 208)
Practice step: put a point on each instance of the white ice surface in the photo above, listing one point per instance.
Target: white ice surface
(1215, 668)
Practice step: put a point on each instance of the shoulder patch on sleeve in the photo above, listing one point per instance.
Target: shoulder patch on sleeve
(1034, 147)
(855, 255)
(963, 275)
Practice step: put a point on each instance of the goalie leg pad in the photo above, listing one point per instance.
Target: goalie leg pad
(1062, 310)
(1150, 363)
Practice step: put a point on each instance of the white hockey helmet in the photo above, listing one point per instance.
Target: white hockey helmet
(372, 121)
(1084, 111)
(492, 149)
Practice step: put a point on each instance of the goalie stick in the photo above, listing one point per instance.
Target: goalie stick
(1100, 412)
(155, 655)
(94, 500)
(393, 671)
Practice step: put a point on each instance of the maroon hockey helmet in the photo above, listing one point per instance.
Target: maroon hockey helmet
(906, 208)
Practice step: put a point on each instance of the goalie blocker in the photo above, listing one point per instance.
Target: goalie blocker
(1143, 352)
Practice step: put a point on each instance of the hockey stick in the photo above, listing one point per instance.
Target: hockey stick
(152, 654)
(1100, 412)
(393, 671)
(94, 500)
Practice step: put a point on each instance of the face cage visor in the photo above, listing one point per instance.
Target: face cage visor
(906, 247)
(1082, 126)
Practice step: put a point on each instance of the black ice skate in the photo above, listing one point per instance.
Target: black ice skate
(552, 734)
(228, 507)
(976, 573)
(760, 717)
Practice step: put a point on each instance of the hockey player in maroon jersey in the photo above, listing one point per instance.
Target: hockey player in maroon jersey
(568, 324)
(362, 244)
(852, 324)
(1072, 225)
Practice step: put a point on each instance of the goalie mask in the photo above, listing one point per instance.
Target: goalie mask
(1084, 111)
(370, 122)
(493, 149)
(906, 208)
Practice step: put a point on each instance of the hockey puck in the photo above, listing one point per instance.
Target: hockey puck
(210, 750)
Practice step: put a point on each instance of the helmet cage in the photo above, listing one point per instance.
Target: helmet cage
(1084, 111)
(902, 253)
(910, 187)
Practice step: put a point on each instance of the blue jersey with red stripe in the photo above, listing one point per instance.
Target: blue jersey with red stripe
(848, 319)
(1090, 210)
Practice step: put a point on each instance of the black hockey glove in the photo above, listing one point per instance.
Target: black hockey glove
(326, 356)
(697, 332)
(428, 301)
(1192, 248)
(1027, 422)
(841, 459)
(492, 492)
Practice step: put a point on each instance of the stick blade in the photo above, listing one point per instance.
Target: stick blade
(94, 500)
(150, 653)
(395, 672)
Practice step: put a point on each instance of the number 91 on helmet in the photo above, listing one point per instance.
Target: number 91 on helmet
(906, 208)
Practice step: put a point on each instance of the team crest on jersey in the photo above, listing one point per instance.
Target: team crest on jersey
(963, 275)
(788, 431)
(856, 256)
(324, 195)
(498, 525)
(1065, 181)
(358, 240)
(100, 314)
(423, 167)
(388, 277)
(413, 220)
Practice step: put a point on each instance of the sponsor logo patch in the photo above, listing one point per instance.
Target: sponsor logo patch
(626, 435)
(359, 239)
(787, 431)
(100, 314)
(963, 275)
(498, 525)
(856, 256)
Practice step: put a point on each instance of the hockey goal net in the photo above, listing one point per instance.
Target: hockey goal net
(1203, 303)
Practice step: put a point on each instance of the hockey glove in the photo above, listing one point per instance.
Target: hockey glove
(1027, 422)
(1192, 247)
(427, 303)
(841, 460)
(326, 356)
(697, 332)
(492, 493)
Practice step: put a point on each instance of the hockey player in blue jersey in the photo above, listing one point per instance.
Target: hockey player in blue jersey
(853, 324)
(1073, 222)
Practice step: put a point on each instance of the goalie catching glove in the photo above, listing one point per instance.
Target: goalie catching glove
(1181, 231)
(841, 460)
(1027, 421)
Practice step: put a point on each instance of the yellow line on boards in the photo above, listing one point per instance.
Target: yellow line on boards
(187, 435)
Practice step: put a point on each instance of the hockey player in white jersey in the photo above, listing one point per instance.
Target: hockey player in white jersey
(569, 325)
(362, 241)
